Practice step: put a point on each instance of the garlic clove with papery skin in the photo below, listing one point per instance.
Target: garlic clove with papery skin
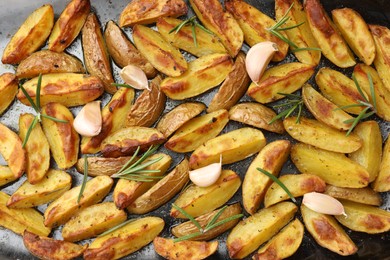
(88, 121)
(258, 58)
(323, 203)
(135, 77)
(208, 175)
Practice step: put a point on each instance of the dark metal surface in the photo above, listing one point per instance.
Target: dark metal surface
(13, 14)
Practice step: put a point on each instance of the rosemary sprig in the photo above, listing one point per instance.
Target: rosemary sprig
(116, 227)
(84, 179)
(209, 226)
(193, 23)
(294, 102)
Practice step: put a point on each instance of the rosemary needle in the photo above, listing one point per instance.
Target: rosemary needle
(193, 23)
(295, 102)
(84, 179)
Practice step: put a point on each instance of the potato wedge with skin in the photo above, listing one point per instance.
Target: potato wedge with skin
(162, 191)
(197, 131)
(297, 184)
(206, 43)
(93, 221)
(126, 140)
(362, 195)
(197, 201)
(234, 146)
(12, 151)
(254, 25)
(332, 44)
(169, 249)
(271, 158)
(223, 24)
(284, 244)
(69, 89)
(178, 116)
(381, 37)
(324, 110)
(334, 168)
(31, 35)
(96, 57)
(160, 53)
(126, 240)
(203, 74)
(63, 208)
(187, 228)
(101, 165)
(285, 78)
(327, 232)
(382, 181)
(8, 90)
(69, 25)
(19, 220)
(62, 137)
(315, 133)
(355, 32)
(233, 87)
(49, 248)
(6, 175)
(50, 188)
(253, 231)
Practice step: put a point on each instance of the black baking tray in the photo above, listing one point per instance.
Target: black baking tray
(13, 14)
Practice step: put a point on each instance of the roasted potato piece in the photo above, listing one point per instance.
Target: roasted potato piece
(327, 233)
(203, 74)
(271, 158)
(126, 240)
(169, 249)
(6, 175)
(233, 88)
(8, 90)
(254, 25)
(126, 140)
(382, 181)
(178, 116)
(12, 151)
(69, 25)
(197, 201)
(188, 227)
(381, 35)
(93, 221)
(324, 110)
(327, 36)
(206, 43)
(297, 184)
(63, 208)
(334, 168)
(69, 89)
(285, 78)
(101, 165)
(355, 32)
(315, 133)
(362, 195)
(162, 191)
(197, 131)
(253, 231)
(31, 35)
(19, 220)
(223, 24)
(62, 137)
(284, 244)
(49, 248)
(160, 53)
(234, 146)
(50, 188)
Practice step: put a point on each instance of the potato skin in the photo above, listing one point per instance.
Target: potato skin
(382, 183)
(6, 175)
(362, 195)
(8, 90)
(101, 165)
(381, 35)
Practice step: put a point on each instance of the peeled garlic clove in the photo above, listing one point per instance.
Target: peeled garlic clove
(206, 176)
(258, 57)
(135, 77)
(323, 203)
(88, 121)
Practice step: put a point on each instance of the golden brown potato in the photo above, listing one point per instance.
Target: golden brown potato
(101, 165)
(31, 35)
(382, 183)
(6, 175)
(8, 90)
(69, 25)
(362, 195)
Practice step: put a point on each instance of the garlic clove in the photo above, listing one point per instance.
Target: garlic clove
(88, 121)
(208, 175)
(135, 77)
(323, 203)
(258, 58)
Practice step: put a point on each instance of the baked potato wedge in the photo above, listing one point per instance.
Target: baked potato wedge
(382, 181)
(362, 195)
(93, 221)
(49, 248)
(253, 231)
(197, 131)
(19, 220)
(8, 90)
(203, 74)
(50, 188)
(285, 78)
(6, 175)
(271, 158)
(101, 165)
(69, 25)
(334, 168)
(381, 35)
(169, 249)
(30, 36)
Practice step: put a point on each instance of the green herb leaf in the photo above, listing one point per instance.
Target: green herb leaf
(38, 95)
(54, 119)
(191, 218)
(295, 102)
(29, 99)
(116, 227)
(29, 130)
(84, 179)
